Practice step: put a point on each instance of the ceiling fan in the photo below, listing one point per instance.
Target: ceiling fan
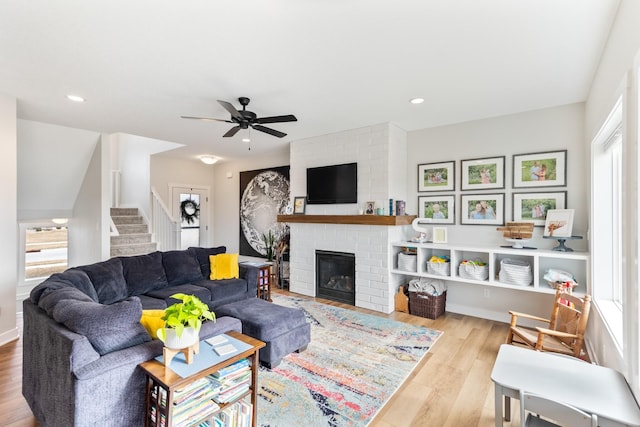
(245, 119)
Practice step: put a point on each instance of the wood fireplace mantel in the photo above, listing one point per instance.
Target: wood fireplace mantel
(348, 219)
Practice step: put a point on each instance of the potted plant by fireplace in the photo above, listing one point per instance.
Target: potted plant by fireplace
(183, 320)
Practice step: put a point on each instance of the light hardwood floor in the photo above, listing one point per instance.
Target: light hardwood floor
(451, 387)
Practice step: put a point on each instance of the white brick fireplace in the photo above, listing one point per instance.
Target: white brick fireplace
(380, 152)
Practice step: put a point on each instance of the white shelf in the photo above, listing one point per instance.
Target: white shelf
(577, 263)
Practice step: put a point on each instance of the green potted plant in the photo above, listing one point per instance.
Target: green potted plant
(269, 243)
(183, 320)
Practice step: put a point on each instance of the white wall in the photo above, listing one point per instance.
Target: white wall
(86, 235)
(8, 219)
(226, 201)
(52, 162)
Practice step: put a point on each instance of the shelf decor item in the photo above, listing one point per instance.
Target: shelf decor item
(370, 208)
(436, 176)
(559, 223)
(482, 174)
(299, 205)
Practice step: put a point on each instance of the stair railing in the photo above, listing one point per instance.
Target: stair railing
(166, 230)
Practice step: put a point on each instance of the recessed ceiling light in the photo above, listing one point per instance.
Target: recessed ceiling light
(75, 98)
(246, 139)
(59, 220)
(208, 160)
(416, 100)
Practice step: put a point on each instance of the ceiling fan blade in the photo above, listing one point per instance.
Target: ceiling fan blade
(231, 109)
(277, 119)
(232, 131)
(269, 131)
(211, 119)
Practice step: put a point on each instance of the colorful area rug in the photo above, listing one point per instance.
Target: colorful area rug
(352, 366)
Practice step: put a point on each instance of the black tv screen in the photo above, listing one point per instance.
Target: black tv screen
(332, 184)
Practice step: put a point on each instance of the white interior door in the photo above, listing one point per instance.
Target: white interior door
(190, 207)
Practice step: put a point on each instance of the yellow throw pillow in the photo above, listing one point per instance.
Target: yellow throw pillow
(152, 321)
(224, 266)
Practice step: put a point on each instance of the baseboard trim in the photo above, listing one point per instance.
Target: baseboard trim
(8, 336)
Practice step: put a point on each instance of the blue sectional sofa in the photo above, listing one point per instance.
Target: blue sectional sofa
(83, 339)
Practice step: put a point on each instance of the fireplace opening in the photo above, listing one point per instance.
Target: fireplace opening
(336, 276)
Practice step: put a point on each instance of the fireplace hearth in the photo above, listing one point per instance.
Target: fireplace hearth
(336, 276)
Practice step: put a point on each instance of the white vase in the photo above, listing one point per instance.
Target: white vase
(189, 337)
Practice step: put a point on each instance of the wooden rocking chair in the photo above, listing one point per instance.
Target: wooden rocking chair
(563, 333)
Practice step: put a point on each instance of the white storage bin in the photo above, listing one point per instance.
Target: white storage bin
(515, 272)
(407, 262)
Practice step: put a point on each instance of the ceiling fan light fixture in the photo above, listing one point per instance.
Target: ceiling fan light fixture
(416, 100)
(208, 160)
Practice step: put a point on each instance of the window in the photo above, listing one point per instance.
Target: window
(45, 251)
(607, 219)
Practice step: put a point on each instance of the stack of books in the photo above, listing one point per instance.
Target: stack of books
(235, 380)
(195, 401)
(235, 415)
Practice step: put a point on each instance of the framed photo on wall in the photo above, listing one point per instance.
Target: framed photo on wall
(440, 209)
(482, 209)
(540, 169)
(482, 174)
(436, 176)
(533, 207)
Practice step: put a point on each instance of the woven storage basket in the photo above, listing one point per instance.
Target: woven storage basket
(439, 268)
(515, 272)
(474, 272)
(425, 305)
(407, 262)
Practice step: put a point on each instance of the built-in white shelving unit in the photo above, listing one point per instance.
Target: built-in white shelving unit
(576, 263)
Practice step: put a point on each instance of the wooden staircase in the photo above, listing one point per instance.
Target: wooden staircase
(134, 238)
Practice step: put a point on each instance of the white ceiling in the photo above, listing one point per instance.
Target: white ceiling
(335, 64)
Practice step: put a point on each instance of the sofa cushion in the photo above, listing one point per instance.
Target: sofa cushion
(202, 255)
(143, 273)
(224, 266)
(223, 289)
(108, 280)
(181, 267)
(150, 303)
(56, 292)
(107, 327)
(78, 279)
(189, 289)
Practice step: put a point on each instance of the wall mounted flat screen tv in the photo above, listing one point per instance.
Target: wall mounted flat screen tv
(332, 184)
